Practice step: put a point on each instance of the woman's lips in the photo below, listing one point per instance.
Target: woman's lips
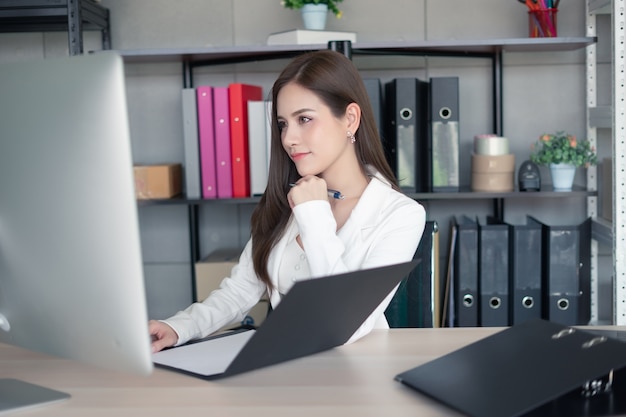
(298, 156)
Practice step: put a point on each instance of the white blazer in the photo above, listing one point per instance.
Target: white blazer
(384, 228)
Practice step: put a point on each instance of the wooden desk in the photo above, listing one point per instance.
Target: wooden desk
(352, 380)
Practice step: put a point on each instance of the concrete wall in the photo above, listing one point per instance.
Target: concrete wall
(543, 92)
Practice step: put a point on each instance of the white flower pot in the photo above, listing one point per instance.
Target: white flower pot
(562, 176)
(314, 16)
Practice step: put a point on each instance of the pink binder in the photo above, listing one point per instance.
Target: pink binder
(223, 164)
(206, 136)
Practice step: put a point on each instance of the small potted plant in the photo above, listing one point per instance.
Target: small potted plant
(314, 12)
(563, 153)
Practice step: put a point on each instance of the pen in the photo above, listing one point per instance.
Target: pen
(331, 193)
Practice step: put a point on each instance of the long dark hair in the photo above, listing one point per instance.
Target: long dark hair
(336, 81)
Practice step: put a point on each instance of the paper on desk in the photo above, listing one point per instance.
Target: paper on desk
(210, 357)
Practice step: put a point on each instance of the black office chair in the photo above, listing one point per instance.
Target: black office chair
(416, 301)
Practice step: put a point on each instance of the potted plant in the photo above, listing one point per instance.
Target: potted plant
(563, 153)
(299, 4)
(314, 12)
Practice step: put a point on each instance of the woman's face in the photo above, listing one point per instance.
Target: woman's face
(311, 135)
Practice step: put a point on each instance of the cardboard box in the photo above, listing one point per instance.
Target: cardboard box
(606, 189)
(157, 181)
(210, 272)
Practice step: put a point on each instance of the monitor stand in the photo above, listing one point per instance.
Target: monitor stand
(19, 395)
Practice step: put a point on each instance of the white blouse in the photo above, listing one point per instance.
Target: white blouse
(293, 267)
(384, 228)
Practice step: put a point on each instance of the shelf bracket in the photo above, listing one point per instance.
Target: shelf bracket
(497, 93)
(75, 27)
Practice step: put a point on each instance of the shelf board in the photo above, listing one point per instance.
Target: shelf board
(601, 116)
(464, 194)
(180, 200)
(599, 6)
(602, 231)
(234, 54)
(48, 15)
(486, 46)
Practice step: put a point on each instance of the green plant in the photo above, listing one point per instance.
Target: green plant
(562, 148)
(297, 4)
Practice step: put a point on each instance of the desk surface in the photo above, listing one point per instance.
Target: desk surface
(351, 380)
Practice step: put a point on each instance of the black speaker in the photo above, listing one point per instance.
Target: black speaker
(528, 177)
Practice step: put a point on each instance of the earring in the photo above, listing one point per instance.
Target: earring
(351, 137)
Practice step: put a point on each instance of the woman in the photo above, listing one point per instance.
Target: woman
(331, 205)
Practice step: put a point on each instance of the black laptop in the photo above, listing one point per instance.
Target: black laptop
(315, 315)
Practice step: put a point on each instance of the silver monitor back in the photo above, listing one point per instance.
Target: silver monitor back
(71, 274)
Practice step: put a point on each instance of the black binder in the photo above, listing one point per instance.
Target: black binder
(417, 300)
(566, 273)
(525, 285)
(444, 131)
(315, 315)
(493, 273)
(536, 368)
(466, 272)
(406, 100)
(375, 93)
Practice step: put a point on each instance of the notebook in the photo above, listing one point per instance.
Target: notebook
(537, 368)
(315, 315)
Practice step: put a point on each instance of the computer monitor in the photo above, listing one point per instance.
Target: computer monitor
(71, 274)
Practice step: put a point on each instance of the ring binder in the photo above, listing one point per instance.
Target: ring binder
(406, 145)
(526, 290)
(537, 368)
(493, 273)
(444, 134)
(466, 272)
(566, 273)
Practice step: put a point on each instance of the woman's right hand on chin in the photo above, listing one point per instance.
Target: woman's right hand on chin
(162, 335)
(307, 188)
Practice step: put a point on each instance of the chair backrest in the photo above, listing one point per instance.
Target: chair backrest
(417, 302)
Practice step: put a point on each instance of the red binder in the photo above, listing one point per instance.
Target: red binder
(206, 137)
(239, 95)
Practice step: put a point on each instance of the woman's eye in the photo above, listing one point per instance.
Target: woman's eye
(281, 126)
(304, 119)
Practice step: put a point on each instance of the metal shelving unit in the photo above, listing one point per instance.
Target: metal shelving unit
(592, 113)
(618, 25)
(72, 16)
(492, 49)
(614, 117)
